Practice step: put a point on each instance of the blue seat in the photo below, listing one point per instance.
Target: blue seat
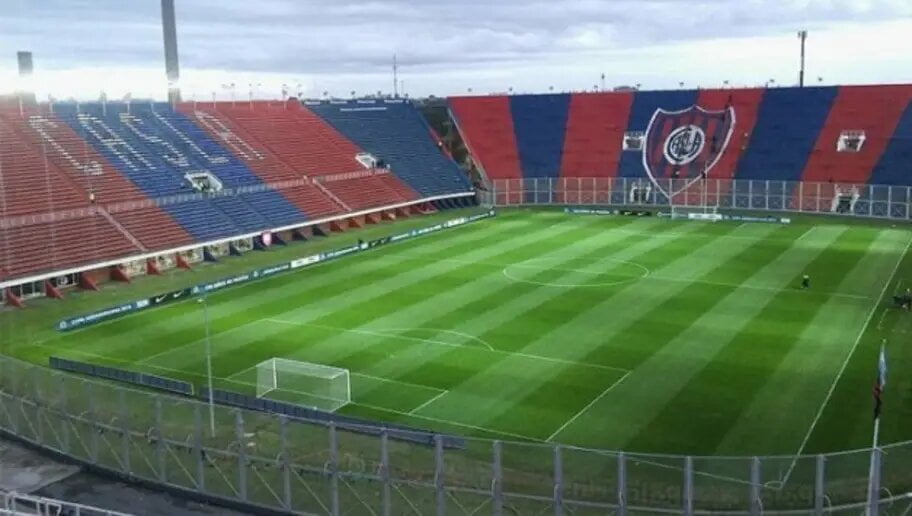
(156, 147)
(394, 131)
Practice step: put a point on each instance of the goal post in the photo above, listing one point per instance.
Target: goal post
(690, 212)
(305, 383)
(694, 202)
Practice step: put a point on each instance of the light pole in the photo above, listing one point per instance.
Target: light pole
(802, 36)
(205, 302)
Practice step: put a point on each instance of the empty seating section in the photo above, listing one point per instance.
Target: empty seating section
(154, 228)
(318, 204)
(893, 166)
(745, 104)
(369, 192)
(486, 124)
(395, 132)
(787, 129)
(540, 122)
(28, 182)
(85, 183)
(786, 134)
(60, 244)
(875, 110)
(94, 175)
(595, 130)
(283, 142)
(217, 121)
(305, 144)
(158, 147)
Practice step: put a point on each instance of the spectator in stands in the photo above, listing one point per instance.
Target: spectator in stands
(91, 197)
(805, 282)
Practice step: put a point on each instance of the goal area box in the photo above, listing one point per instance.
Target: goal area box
(303, 383)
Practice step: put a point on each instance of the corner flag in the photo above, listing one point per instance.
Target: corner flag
(881, 381)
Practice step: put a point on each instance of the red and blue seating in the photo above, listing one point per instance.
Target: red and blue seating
(788, 134)
(84, 184)
(394, 132)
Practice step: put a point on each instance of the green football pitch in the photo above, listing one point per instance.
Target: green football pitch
(642, 334)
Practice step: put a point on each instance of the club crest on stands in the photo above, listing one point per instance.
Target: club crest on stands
(685, 145)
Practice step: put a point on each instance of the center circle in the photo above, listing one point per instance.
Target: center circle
(629, 272)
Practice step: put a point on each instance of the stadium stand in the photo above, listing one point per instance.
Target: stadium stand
(849, 134)
(99, 182)
(396, 134)
(94, 177)
(285, 142)
(593, 120)
(486, 125)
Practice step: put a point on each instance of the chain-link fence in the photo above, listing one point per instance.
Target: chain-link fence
(269, 461)
(879, 201)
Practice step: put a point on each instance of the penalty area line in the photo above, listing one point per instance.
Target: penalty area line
(587, 407)
(448, 422)
(428, 402)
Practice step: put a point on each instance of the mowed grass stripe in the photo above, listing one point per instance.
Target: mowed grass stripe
(604, 322)
(409, 327)
(640, 329)
(364, 302)
(796, 388)
(632, 405)
(236, 306)
(724, 388)
(572, 348)
(509, 396)
(354, 347)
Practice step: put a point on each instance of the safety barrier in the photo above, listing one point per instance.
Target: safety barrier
(270, 462)
(861, 200)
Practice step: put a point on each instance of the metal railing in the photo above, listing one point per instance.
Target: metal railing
(15, 504)
(877, 201)
(262, 460)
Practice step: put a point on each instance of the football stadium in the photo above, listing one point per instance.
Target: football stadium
(627, 301)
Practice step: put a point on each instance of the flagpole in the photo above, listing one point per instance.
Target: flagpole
(873, 489)
(874, 469)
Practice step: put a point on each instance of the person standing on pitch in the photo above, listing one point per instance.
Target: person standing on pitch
(805, 282)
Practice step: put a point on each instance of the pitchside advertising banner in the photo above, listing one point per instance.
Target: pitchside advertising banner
(298, 263)
(692, 216)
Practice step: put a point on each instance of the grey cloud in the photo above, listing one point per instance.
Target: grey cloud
(348, 36)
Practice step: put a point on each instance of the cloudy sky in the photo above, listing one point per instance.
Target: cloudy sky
(447, 47)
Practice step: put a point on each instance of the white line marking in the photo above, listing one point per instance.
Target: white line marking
(451, 345)
(396, 331)
(426, 403)
(625, 278)
(400, 382)
(757, 287)
(196, 342)
(448, 422)
(806, 233)
(587, 407)
(845, 363)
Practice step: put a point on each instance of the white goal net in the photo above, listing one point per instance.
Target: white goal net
(708, 213)
(304, 383)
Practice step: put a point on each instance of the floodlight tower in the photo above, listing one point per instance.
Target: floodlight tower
(172, 68)
(802, 35)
